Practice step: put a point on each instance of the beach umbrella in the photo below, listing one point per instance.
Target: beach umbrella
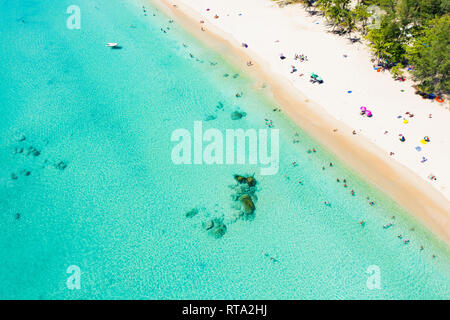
(363, 108)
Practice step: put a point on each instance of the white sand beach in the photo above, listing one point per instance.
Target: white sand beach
(330, 111)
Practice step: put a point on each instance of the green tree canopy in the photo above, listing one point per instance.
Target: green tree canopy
(430, 54)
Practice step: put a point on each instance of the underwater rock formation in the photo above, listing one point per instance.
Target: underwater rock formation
(240, 179)
(244, 196)
(208, 224)
(33, 151)
(192, 213)
(210, 117)
(20, 137)
(251, 181)
(220, 105)
(217, 221)
(23, 147)
(247, 204)
(236, 115)
(215, 227)
(61, 165)
(218, 231)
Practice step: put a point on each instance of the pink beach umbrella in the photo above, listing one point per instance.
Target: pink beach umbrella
(369, 113)
(363, 108)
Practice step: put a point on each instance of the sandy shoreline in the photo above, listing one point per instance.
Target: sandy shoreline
(405, 186)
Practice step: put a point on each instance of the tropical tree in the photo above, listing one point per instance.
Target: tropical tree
(361, 16)
(387, 41)
(430, 55)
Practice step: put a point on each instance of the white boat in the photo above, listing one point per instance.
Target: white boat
(112, 44)
(388, 225)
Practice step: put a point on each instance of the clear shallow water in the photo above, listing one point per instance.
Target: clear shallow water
(118, 209)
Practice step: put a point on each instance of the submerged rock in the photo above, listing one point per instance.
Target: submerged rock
(251, 181)
(236, 115)
(215, 227)
(20, 137)
(247, 204)
(218, 231)
(210, 117)
(244, 196)
(33, 151)
(219, 105)
(192, 213)
(61, 165)
(208, 224)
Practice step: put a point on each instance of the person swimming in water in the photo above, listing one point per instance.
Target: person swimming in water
(270, 257)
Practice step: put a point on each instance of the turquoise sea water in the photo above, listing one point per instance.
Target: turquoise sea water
(118, 209)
